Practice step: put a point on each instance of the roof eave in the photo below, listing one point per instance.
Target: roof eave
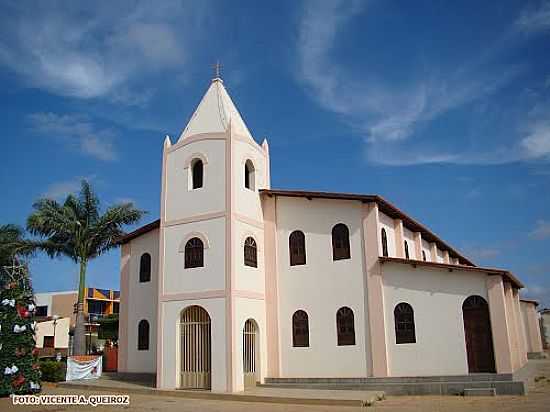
(436, 265)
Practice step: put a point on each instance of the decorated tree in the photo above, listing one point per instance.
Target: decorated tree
(19, 369)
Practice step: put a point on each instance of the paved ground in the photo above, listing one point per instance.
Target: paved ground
(537, 400)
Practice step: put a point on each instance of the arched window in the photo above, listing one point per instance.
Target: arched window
(300, 329)
(194, 253)
(145, 268)
(404, 323)
(340, 242)
(384, 243)
(143, 335)
(406, 250)
(424, 256)
(345, 326)
(297, 248)
(250, 252)
(197, 170)
(249, 175)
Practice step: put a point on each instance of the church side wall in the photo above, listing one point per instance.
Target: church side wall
(436, 297)
(320, 288)
(142, 304)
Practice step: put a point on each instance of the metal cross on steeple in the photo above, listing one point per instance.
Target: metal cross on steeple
(217, 70)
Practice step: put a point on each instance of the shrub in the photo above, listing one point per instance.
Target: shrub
(53, 371)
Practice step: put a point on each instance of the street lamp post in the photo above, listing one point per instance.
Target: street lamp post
(55, 318)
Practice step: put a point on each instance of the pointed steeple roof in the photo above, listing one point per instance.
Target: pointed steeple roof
(215, 113)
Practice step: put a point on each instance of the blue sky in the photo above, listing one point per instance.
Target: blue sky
(444, 109)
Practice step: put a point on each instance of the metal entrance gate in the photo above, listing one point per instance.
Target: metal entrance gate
(195, 349)
(250, 341)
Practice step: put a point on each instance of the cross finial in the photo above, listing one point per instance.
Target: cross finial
(217, 70)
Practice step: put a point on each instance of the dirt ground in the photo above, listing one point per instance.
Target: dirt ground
(537, 400)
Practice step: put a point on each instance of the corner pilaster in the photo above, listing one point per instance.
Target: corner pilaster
(376, 327)
(502, 344)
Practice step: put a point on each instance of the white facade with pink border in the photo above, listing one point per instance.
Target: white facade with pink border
(237, 282)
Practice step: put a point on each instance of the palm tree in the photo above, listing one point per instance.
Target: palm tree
(77, 229)
(13, 245)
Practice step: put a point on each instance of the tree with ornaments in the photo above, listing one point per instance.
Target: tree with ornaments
(19, 369)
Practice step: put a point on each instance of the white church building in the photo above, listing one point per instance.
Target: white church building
(237, 282)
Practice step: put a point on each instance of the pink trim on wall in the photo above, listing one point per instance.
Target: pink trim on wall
(433, 252)
(245, 219)
(196, 218)
(229, 259)
(248, 294)
(399, 245)
(446, 258)
(418, 245)
(271, 285)
(160, 334)
(375, 292)
(499, 324)
(522, 342)
(512, 332)
(533, 329)
(197, 138)
(265, 146)
(124, 300)
(207, 294)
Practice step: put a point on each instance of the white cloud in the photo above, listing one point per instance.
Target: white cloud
(537, 142)
(535, 18)
(389, 115)
(98, 49)
(541, 230)
(59, 190)
(78, 132)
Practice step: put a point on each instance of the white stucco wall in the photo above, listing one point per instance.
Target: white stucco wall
(426, 249)
(250, 309)
(440, 258)
(524, 326)
(320, 288)
(183, 202)
(246, 277)
(247, 201)
(44, 299)
(409, 238)
(46, 328)
(436, 297)
(387, 223)
(171, 361)
(142, 297)
(177, 279)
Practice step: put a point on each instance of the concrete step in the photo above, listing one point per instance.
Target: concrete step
(295, 396)
(475, 377)
(480, 392)
(413, 388)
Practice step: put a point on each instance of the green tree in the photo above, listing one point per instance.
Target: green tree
(13, 245)
(78, 230)
(19, 368)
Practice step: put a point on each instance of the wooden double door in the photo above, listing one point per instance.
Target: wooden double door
(478, 335)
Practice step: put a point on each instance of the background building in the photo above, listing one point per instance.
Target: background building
(56, 318)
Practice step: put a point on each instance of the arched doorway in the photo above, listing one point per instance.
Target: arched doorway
(479, 339)
(195, 349)
(250, 353)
